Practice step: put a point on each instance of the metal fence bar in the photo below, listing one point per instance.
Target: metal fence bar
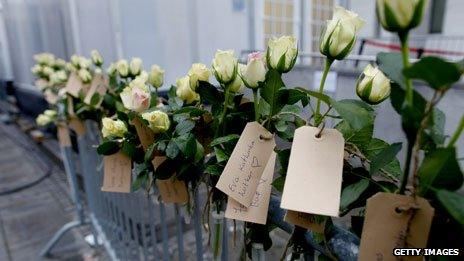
(164, 231)
(180, 232)
(197, 226)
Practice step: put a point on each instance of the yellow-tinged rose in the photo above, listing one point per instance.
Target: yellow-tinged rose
(282, 49)
(50, 113)
(135, 66)
(340, 34)
(198, 72)
(373, 86)
(97, 59)
(225, 66)
(158, 121)
(44, 59)
(43, 120)
(136, 96)
(115, 128)
(184, 92)
(85, 75)
(237, 85)
(156, 76)
(123, 68)
(400, 15)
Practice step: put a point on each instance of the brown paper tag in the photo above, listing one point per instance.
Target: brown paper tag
(314, 176)
(70, 106)
(74, 85)
(304, 220)
(77, 125)
(63, 135)
(98, 85)
(172, 190)
(243, 171)
(386, 224)
(50, 97)
(117, 173)
(146, 135)
(257, 211)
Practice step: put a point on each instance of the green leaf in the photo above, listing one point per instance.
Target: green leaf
(453, 203)
(184, 127)
(95, 99)
(192, 111)
(437, 129)
(384, 157)
(440, 169)
(128, 148)
(139, 181)
(376, 146)
(172, 150)
(354, 113)
(438, 73)
(209, 93)
(199, 152)
(269, 93)
(149, 153)
(361, 138)
(352, 192)
(292, 96)
(221, 155)
(214, 170)
(278, 183)
(187, 144)
(108, 148)
(391, 64)
(224, 139)
(326, 99)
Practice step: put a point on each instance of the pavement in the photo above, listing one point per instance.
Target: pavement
(30, 217)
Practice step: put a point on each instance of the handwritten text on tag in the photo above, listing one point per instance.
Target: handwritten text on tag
(117, 173)
(305, 220)
(314, 176)
(243, 171)
(257, 211)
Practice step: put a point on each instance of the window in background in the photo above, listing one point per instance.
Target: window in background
(437, 15)
(279, 18)
(321, 11)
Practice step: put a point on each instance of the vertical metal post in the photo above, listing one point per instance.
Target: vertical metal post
(180, 232)
(225, 241)
(164, 231)
(197, 226)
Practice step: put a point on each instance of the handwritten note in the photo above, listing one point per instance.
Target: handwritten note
(117, 173)
(386, 226)
(257, 211)
(305, 220)
(314, 176)
(243, 171)
(145, 134)
(63, 135)
(98, 86)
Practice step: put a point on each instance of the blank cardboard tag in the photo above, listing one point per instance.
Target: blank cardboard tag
(304, 220)
(99, 86)
(314, 176)
(257, 211)
(63, 135)
(74, 85)
(146, 135)
(171, 190)
(243, 171)
(386, 224)
(70, 106)
(117, 173)
(77, 125)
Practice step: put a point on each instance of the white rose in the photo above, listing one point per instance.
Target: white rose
(373, 86)
(47, 70)
(158, 121)
(111, 69)
(84, 63)
(156, 76)
(36, 69)
(198, 72)
(255, 70)
(237, 85)
(340, 34)
(43, 120)
(184, 92)
(400, 15)
(123, 68)
(97, 59)
(136, 96)
(45, 59)
(284, 47)
(58, 77)
(113, 128)
(50, 113)
(85, 75)
(60, 63)
(225, 66)
(135, 66)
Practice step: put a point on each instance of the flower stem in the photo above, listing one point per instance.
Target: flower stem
(256, 104)
(224, 111)
(407, 167)
(457, 133)
(317, 114)
(405, 55)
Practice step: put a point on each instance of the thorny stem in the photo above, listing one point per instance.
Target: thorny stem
(457, 133)
(317, 117)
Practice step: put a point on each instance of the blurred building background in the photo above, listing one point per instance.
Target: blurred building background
(176, 33)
